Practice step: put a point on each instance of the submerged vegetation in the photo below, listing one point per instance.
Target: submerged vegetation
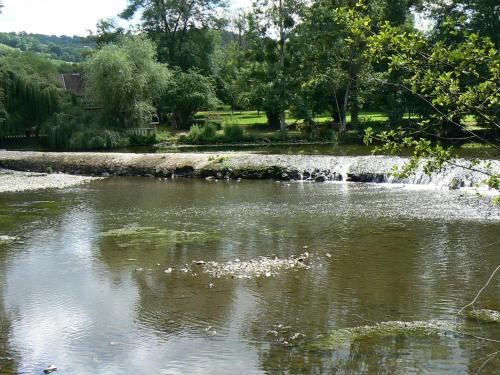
(344, 337)
(484, 315)
(156, 237)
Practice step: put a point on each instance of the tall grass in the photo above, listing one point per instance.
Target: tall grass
(202, 133)
(234, 133)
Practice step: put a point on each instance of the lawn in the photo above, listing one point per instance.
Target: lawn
(252, 118)
(256, 129)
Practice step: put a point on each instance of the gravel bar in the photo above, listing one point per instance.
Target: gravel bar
(14, 181)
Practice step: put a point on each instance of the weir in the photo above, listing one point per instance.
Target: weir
(373, 169)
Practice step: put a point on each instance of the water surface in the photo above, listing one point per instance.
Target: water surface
(84, 285)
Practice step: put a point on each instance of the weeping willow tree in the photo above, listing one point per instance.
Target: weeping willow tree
(25, 103)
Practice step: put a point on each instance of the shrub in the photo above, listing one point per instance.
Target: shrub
(326, 133)
(315, 131)
(202, 134)
(234, 132)
(139, 140)
(94, 139)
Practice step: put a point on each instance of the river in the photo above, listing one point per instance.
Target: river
(100, 278)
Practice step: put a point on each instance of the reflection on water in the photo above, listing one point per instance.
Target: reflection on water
(311, 149)
(84, 285)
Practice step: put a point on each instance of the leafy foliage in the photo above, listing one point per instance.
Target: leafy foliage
(202, 133)
(125, 80)
(181, 29)
(452, 79)
(94, 139)
(28, 92)
(189, 93)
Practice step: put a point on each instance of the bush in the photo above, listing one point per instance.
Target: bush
(234, 133)
(94, 139)
(202, 134)
(326, 133)
(140, 140)
(315, 131)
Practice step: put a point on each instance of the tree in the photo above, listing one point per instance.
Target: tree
(189, 93)
(336, 74)
(265, 74)
(126, 81)
(333, 64)
(108, 31)
(453, 78)
(280, 17)
(227, 62)
(476, 16)
(180, 28)
(28, 92)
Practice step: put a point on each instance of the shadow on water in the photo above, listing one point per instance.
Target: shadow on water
(84, 286)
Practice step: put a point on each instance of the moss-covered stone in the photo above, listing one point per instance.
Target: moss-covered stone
(484, 315)
(343, 337)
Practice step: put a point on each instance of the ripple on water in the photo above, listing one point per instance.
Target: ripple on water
(72, 297)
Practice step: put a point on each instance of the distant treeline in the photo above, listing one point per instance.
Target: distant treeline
(65, 48)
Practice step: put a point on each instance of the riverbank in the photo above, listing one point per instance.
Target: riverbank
(15, 181)
(376, 169)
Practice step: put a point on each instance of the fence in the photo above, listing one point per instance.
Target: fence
(23, 136)
(141, 131)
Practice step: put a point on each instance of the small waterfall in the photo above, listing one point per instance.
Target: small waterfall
(377, 169)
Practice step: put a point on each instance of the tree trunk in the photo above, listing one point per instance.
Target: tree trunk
(175, 124)
(282, 121)
(354, 101)
(273, 119)
(282, 67)
(343, 113)
(181, 121)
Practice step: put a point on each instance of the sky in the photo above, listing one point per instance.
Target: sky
(64, 17)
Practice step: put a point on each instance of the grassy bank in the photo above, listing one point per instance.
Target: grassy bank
(226, 127)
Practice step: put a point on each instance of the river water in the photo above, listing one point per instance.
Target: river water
(83, 283)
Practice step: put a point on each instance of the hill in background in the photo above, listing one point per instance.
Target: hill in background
(64, 48)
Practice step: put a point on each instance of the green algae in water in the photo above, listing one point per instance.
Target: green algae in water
(276, 232)
(136, 236)
(484, 315)
(35, 206)
(14, 215)
(341, 338)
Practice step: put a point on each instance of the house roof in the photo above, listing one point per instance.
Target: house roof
(73, 82)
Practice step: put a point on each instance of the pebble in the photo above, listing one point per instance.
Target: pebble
(50, 369)
(168, 270)
(263, 266)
